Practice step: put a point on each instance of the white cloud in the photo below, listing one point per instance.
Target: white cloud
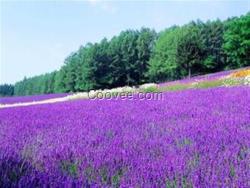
(106, 6)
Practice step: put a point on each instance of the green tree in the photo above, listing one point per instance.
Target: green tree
(84, 78)
(70, 72)
(60, 80)
(6, 90)
(129, 54)
(212, 38)
(145, 44)
(237, 42)
(190, 50)
(163, 63)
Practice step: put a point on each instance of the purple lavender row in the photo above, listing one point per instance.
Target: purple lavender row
(19, 99)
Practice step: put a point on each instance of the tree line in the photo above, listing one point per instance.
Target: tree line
(139, 56)
(6, 90)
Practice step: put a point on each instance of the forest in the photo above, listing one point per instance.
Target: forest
(140, 56)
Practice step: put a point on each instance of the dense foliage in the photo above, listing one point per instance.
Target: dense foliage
(195, 48)
(6, 90)
(134, 57)
(173, 142)
(36, 85)
(237, 41)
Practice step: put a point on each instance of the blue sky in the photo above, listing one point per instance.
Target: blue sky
(36, 37)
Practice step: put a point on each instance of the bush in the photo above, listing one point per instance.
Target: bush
(175, 87)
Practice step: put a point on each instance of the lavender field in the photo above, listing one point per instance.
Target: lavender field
(192, 138)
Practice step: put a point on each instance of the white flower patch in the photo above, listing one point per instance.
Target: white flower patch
(247, 80)
(149, 85)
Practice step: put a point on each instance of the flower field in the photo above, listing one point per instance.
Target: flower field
(192, 138)
(21, 99)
